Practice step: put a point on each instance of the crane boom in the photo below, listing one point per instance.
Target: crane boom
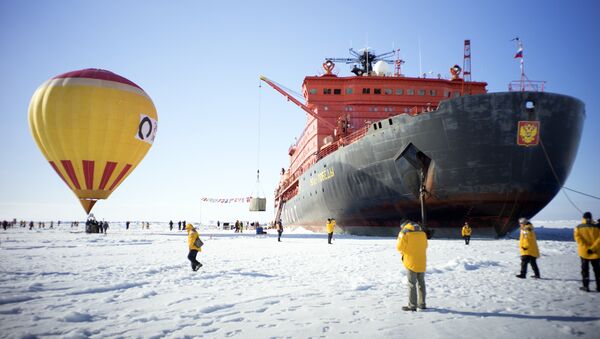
(296, 101)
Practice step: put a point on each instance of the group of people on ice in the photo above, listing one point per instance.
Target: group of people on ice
(412, 244)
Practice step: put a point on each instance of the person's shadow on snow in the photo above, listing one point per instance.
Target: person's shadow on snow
(513, 315)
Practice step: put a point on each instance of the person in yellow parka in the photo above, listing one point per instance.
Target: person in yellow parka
(528, 248)
(466, 233)
(412, 245)
(587, 236)
(195, 246)
(330, 227)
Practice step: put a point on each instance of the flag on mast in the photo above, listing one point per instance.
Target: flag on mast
(519, 52)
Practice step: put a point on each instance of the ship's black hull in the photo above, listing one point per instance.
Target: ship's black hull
(478, 171)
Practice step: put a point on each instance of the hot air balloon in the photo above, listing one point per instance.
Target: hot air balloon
(94, 127)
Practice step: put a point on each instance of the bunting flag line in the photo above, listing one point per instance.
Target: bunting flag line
(226, 200)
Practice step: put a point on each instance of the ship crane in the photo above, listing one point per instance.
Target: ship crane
(363, 60)
(297, 102)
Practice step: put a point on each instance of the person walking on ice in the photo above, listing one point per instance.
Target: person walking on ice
(466, 233)
(587, 236)
(330, 227)
(279, 230)
(528, 248)
(195, 246)
(412, 245)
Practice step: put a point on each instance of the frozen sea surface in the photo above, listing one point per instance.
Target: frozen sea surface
(138, 283)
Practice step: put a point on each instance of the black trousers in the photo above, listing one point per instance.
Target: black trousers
(467, 239)
(585, 271)
(192, 257)
(279, 235)
(526, 259)
(329, 236)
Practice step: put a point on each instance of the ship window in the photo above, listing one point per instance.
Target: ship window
(421, 92)
(313, 91)
(410, 91)
(337, 91)
(377, 91)
(390, 121)
(366, 91)
(388, 91)
(326, 90)
(456, 94)
(348, 90)
(399, 91)
(379, 124)
(432, 92)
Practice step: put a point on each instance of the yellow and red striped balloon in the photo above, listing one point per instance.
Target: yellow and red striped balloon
(94, 127)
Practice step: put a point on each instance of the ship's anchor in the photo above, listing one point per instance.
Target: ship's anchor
(420, 161)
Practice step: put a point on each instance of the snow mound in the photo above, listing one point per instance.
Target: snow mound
(463, 264)
(76, 317)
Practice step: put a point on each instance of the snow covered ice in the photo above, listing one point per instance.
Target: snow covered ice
(138, 283)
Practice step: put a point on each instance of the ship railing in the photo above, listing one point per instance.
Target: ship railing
(526, 85)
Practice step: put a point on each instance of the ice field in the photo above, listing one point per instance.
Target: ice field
(138, 283)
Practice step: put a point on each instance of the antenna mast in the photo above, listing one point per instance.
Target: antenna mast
(398, 64)
(467, 68)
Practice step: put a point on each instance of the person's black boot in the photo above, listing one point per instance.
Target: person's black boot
(522, 276)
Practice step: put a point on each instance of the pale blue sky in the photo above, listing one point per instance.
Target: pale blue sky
(200, 62)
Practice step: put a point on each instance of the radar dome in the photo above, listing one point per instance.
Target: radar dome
(381, 68)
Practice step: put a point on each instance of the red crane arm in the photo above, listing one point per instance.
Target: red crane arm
(297, 102)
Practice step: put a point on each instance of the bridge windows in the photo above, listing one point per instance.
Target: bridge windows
(432, 92)
(326, 90)
(337, 91)
(349, 91)
(399, 91)
(377, 91)
(388, 91)
(313, 91)
(421, 92)
(410, 91)
(366, 91)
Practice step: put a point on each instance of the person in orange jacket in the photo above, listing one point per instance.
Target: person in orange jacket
(528, 248)
(587, 236)
(412, 245)
(195, 246)
(466, 233)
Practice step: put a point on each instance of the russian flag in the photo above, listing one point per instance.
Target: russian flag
(519, 53)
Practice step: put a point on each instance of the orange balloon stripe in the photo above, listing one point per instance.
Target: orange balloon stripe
(121, 175)
(88, 173)
(58, 172)
(70, 172)
(108, 170)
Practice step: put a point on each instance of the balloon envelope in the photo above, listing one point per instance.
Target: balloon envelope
(94, 127)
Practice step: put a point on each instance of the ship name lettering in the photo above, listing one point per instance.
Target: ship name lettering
(322, 176)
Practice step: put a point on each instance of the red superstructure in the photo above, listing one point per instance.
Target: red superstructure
(341, 109)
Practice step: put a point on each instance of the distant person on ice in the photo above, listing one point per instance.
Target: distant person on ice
(171, 225)
(279, 230)
(195, 246)
(529, 249)
(330, 227)
(466, 233)
(412, 245)
(587, 236)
